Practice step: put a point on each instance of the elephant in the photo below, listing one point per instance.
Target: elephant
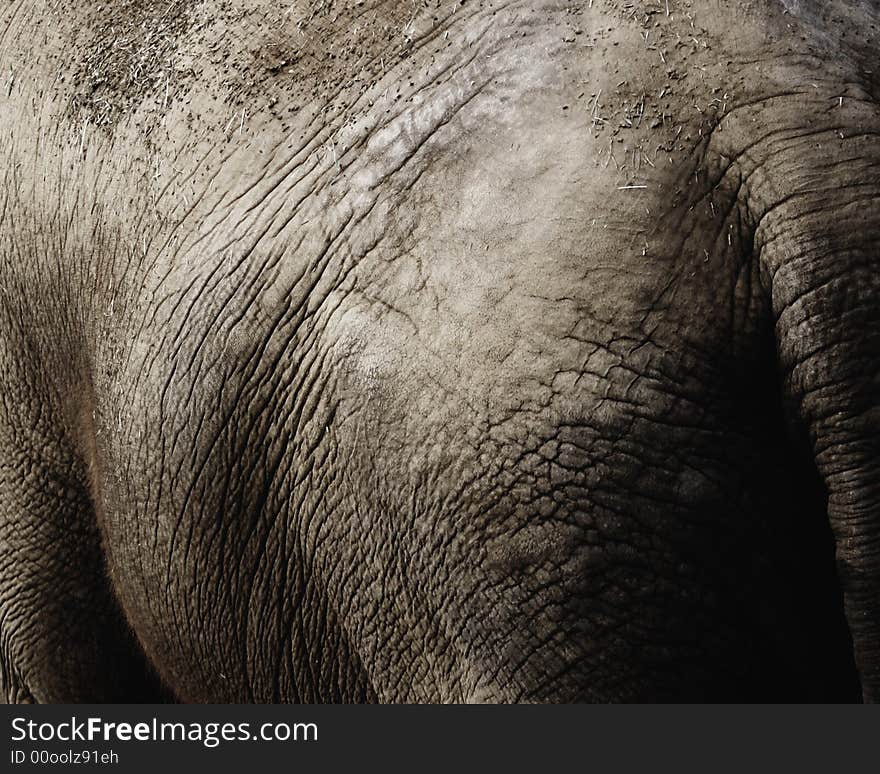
(443, 351)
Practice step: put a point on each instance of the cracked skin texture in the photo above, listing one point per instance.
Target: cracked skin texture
(391, 351)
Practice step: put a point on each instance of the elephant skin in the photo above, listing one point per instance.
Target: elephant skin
(514, 351)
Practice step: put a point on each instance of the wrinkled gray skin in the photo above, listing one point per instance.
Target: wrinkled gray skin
(462, 352)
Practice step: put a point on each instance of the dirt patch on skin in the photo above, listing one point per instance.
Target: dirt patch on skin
(147, 53)
(254, 56)
(653, 78)
(662, 87)
(128, 54)
(286, 57)
(315, 50)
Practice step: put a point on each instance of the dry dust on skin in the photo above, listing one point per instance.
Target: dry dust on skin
(141, 56)
(647, 118)
(129, 52)
(182, 67)
(135, 60)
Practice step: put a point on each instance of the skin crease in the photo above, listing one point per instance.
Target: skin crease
(464, 351)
